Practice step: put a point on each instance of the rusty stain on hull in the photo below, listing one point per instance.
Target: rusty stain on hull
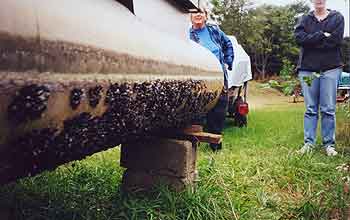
(19, 54)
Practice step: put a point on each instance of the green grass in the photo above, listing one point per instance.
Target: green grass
(257, 175)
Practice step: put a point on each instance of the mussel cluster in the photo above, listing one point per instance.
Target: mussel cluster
(29, 103)
(135, 110)
(95, 96)
(75, 98)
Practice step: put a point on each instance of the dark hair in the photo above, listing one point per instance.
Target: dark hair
(200, 9)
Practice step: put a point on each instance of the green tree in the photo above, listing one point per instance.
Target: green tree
(266, 31)
(233, 17)
(283, 43)
(299, 7)
(275, 41)
(261, 46)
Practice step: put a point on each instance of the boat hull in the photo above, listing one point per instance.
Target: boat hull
(64, 98)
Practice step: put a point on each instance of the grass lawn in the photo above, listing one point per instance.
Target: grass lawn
(257, 175)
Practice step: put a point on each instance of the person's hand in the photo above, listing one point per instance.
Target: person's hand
(327, 34)
(229, 67)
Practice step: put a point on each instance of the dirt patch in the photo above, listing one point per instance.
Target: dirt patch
(259, 97)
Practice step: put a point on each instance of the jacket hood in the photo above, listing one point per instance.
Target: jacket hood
(331, 13)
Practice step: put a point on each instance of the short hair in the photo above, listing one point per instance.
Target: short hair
(205, 10)
(200, 9)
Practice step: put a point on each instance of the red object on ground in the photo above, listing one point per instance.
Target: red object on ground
(243, 108)
(342, 99)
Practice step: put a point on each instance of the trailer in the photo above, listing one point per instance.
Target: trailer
(238, 84)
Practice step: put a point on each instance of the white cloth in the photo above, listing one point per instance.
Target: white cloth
(241, 67)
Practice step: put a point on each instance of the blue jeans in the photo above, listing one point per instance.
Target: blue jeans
(322, 94)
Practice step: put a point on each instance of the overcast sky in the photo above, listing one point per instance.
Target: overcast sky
(338, 5)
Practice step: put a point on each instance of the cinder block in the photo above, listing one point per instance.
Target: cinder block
(135, 181)
(158, 161)
(168, 157)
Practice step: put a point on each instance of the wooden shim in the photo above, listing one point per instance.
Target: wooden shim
(192, 129)
(342, 99)
(194, 133)
(206, 137)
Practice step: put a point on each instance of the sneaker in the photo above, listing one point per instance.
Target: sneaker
(330, 151)
(216, 147)
(307, 148)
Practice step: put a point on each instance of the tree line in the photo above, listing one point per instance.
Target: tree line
(266, 32)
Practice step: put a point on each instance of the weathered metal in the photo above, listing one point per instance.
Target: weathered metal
(81, 76)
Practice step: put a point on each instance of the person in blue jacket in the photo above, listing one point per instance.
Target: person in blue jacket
(320, 34)
(215, 40)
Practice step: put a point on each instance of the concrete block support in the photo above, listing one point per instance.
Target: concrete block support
(150, 162)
